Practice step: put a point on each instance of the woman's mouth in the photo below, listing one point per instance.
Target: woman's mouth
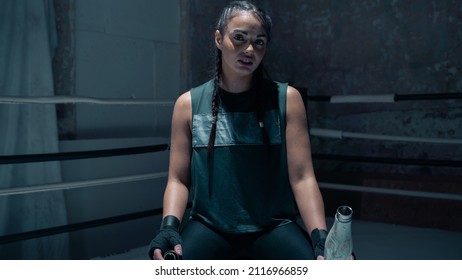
(246, 62)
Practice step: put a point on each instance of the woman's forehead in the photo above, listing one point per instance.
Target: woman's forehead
(245, 21)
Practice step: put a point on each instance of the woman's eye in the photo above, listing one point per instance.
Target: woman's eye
(260, 43)
(238, 37)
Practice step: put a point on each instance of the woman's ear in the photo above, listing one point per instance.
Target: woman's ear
(218, 39)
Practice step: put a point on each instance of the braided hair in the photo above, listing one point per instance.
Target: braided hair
(258, 76)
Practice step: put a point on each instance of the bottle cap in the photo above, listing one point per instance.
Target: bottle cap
(344, 214)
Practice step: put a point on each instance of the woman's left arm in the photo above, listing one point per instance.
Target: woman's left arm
(301, 173)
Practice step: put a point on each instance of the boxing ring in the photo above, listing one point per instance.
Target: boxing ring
(149, 149)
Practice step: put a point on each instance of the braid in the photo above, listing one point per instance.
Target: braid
(215, 106)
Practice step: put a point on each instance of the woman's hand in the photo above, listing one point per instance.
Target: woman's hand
(159, 255)
(167, 238)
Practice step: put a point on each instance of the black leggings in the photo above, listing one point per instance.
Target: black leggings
(285, 242)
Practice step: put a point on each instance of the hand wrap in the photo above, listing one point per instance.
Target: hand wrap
(318, 238)
(167, 237)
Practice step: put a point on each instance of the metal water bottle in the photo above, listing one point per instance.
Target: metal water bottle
(339, 242)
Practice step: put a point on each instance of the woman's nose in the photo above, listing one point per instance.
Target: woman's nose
(249, 48)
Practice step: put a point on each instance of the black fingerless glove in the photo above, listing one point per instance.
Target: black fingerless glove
(167, 237)
(318, 238)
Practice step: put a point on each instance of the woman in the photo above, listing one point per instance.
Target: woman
(240, 146)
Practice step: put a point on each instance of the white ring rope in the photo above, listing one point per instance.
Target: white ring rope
(336, 99)
(421, 194)
(150, 176)
(379, 98)
(82, 99)
(81, 184)
(338, 134)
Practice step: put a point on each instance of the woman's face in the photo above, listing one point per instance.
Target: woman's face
(242, 45)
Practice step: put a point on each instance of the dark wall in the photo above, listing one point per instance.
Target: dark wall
(355, 47)
(373, 47)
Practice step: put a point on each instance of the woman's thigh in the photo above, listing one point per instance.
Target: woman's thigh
(200, 242)
(286, 242)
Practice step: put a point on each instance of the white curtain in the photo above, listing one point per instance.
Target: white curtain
(27, 42)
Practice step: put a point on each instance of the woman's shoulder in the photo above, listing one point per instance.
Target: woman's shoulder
(294, 100)
(184, 100)
(292, 90)
(186, 97)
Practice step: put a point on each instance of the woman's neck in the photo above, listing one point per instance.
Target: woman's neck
(237, 84)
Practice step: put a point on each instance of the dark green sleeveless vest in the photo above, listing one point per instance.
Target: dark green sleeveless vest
(246, 186)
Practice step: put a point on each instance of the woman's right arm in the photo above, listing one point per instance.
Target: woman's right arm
(177, 190)
(178, 183)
